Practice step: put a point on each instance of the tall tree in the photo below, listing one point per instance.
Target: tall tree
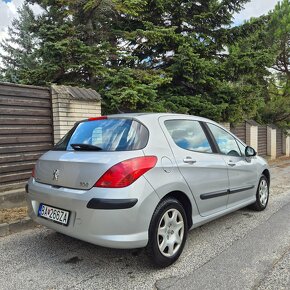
(247, 67)
(277, 106)
(80, 43)
(160, 55)
(188, 41)
(18, 57)
(74, 41)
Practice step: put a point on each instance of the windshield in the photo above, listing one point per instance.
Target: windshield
(105, 135)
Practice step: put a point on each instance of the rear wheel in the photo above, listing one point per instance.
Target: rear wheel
(167, 232)
(262, 195)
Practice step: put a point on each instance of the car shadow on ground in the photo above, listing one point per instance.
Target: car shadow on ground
(75, 253)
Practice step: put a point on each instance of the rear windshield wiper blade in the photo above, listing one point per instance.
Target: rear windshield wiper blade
(85, 147)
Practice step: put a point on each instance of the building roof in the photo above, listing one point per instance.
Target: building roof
(83, 94)
(252, 122)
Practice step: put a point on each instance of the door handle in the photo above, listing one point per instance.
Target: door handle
(189, 160)
(231, 163)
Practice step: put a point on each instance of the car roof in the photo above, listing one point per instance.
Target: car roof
(155, 115)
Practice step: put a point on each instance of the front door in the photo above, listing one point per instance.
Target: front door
(242, 171)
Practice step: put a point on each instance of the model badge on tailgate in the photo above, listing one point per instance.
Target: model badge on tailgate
(84, 184)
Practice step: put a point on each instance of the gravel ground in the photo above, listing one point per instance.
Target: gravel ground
(279, 276)
(43, 259)
(280, 176)
(245, 264)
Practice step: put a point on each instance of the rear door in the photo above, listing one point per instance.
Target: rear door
(204, 171)
(242, 171)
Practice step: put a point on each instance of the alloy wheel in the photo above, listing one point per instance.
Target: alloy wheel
(170, 232)
(263, 192)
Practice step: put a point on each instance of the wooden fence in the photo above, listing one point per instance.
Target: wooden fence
(28, 122)
(262, 140)
(25, 131)
(279, 142)
(239, 130)
(268, 140)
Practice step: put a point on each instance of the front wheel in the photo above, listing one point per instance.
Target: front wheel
(262, 195)
(167, 232)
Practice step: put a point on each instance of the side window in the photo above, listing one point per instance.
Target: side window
(226, 142)
(188, 135)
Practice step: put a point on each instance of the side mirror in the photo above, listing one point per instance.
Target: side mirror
(250, 152)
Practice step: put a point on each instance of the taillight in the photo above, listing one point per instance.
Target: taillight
(126, 172)
(33, 172)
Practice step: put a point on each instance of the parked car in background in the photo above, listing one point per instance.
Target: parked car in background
(144, 180)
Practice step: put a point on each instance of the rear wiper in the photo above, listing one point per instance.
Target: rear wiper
(85, 147)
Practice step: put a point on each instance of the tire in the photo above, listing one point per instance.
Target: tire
(262, 195)
(167, 233)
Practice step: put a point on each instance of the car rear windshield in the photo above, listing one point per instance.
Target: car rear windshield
(105, 135)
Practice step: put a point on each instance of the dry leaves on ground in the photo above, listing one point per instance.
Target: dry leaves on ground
(12, 214)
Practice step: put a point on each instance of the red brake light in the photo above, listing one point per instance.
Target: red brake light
(33, 172)
(126, 172)
(97, 118)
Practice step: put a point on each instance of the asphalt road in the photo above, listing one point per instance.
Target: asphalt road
(243, 250)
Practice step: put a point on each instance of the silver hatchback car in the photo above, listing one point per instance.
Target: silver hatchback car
(144, 180)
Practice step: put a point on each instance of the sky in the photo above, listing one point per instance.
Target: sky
(254, 8)
(8, 11)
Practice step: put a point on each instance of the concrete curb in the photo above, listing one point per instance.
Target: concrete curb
(16, 226)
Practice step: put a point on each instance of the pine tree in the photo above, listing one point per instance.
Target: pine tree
(18, 57)
(153, 55)
(187, 41)
(277, 106)
(74, 42)
(81, 43)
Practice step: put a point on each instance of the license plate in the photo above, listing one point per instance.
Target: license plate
(55, 214)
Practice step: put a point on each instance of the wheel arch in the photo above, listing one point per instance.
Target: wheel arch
(185, 202)
(266, 173)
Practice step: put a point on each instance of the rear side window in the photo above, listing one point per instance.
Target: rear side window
(188, 135)
(107, 135)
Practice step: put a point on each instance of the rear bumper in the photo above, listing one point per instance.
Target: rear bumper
(99, 216)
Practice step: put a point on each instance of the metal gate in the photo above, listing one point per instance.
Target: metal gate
(25, 131)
